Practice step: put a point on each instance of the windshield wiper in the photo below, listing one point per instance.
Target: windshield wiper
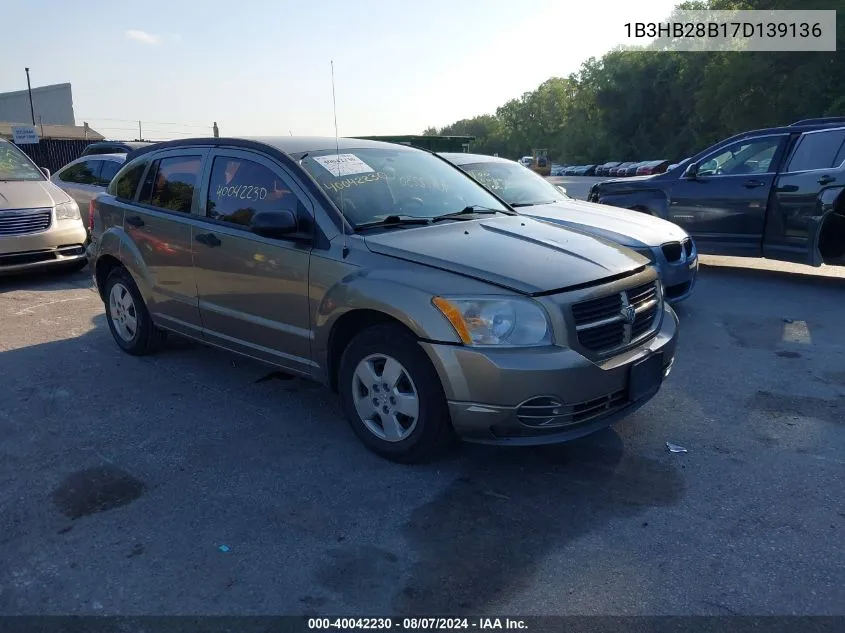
(473, 209)
(393, 220)
(517, 205)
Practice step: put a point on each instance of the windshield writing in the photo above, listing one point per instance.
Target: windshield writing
(14, 165)
(373, 183)
(515, 184)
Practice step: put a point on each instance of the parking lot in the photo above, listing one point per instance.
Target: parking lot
(576, 186)
(191, 482)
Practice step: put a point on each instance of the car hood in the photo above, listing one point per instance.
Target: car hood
(30, 194)
(627, 227)
(628, 179)
(514, 252)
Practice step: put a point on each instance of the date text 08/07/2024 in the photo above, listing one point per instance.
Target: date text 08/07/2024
(416, 624)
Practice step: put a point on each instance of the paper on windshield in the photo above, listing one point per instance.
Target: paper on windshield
(343, 164)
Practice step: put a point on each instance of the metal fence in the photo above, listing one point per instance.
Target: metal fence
(54, 153)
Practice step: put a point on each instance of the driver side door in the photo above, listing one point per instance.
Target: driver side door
(724, 206)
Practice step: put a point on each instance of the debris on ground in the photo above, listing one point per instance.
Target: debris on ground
(674, 448)
(224, 548)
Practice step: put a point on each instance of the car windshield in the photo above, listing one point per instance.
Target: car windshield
(14, 165)
(513, 183)
(373, 184)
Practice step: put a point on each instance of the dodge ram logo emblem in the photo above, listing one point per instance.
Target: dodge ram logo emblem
(628, 314)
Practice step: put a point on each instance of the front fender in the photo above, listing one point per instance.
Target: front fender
(409, 305)
(117, 243)
(654, 201)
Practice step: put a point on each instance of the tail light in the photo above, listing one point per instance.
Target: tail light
(91, 208)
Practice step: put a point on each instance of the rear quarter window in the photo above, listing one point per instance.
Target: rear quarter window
(125, 183)
(817, 150)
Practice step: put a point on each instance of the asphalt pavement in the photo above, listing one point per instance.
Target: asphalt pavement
(576, 186)
(196, 482)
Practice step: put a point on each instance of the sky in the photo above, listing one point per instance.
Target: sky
(264, 68)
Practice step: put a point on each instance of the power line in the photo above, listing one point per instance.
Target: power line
(194, 124)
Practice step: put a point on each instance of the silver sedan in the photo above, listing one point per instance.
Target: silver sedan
(667, 245)
(86, 177)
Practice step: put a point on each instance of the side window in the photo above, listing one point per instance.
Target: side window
(745, 157)
(170, 183)
(82, 173)
(239, 188)
(126, 184)
(817, 150)
(108, 171)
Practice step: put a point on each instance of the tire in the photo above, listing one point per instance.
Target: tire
(130, 323)
(431, 432)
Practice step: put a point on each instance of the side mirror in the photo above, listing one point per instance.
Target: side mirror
(562, 190)
(45, 171)
(692, 171)
(281, 223)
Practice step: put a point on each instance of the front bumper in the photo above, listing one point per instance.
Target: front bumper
(491, 392)
(56, 246)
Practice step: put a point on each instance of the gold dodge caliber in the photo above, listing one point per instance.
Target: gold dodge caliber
(40, 225)
(385, 272)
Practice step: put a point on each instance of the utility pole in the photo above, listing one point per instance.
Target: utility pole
(29, 89)
(216, 130)
(140, 133)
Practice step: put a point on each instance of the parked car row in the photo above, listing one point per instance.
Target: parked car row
(616, 169)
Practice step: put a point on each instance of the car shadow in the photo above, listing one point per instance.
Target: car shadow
(49, 279)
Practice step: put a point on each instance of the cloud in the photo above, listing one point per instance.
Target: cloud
(143, 37)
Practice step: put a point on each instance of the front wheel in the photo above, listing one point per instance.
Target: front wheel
(392, 396)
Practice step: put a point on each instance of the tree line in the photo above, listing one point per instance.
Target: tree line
(658, 104)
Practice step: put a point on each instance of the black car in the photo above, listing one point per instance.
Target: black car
(113, 147)
(604, 168)
(775, 192)
(621, 167)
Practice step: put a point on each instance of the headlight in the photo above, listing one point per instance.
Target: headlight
(505, 321)
(67, 211)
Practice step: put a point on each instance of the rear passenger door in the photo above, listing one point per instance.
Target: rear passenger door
(253, 290)
(159, 225)
(795, 215)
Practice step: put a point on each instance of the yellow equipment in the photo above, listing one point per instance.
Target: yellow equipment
(541, 164)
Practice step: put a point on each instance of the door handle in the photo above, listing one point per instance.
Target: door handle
(134, 220)
(751, 184)
(826, 179)
(209, 239)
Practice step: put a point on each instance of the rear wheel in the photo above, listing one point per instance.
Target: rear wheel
(129, 320)
(392, 396)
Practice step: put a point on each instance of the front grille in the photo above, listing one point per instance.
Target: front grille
(688, 246)
(672, 251)
(25, 222)
(610, 323)
(547, 412)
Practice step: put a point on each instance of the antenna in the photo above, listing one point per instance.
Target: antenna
(337, 162)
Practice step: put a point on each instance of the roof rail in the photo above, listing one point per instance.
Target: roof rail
(819, 121)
